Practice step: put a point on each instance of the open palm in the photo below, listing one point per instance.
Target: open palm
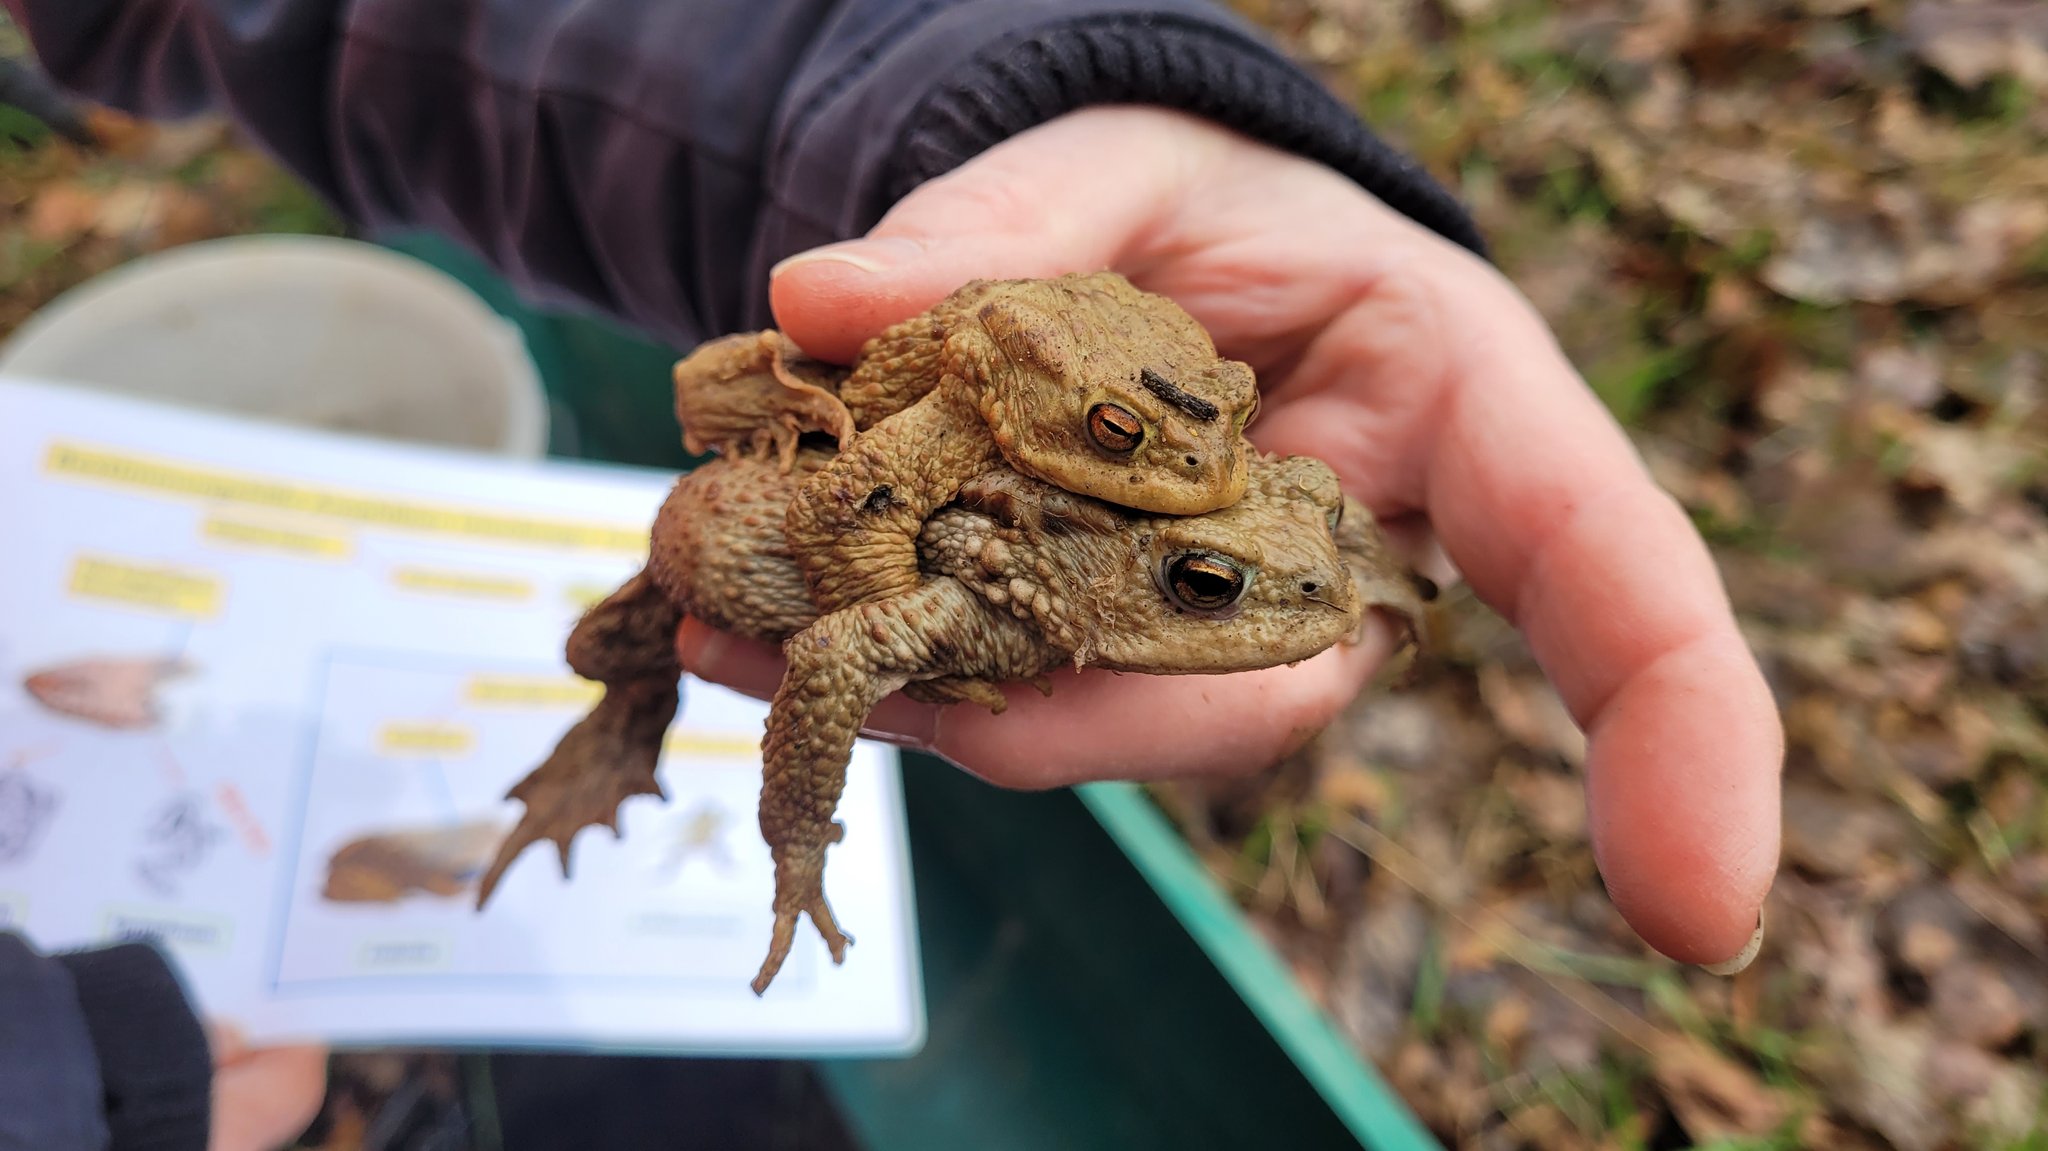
(1439, 395)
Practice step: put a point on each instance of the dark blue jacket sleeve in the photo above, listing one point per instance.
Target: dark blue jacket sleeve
(100, 1051)
(652, 160)
(49, 1076)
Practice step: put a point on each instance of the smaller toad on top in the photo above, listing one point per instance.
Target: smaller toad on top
(1083, 382)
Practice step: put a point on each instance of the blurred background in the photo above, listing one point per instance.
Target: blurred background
(1801, 251)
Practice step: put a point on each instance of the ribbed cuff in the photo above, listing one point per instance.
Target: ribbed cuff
(1203, 69)
(154, 1059)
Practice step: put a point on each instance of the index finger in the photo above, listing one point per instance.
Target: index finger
(1468, 410)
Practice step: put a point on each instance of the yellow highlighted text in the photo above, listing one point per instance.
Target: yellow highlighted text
(136, 472)
(531, 691)
(467, 585)
(243, 533)
(712, 745)
(425, 738)
(178, 591)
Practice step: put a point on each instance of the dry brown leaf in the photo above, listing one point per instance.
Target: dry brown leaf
(1553, 803)
(1974, 467)
(1884, 1084)
(1528, 709)
(62, 212)
(1972, 1003)
(131, 208)
(2004, 912)
(1932, 749)
(1904, 254)
(1972, 42)
(1903, 375)
(1835, 834)
(1544, 1127)
(1354, 787)
(1404, 732)
(1996, 1098)
(1928, 947)
(1713, 1097)
(117, 132)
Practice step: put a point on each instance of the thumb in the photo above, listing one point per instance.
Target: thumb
(1072, 195)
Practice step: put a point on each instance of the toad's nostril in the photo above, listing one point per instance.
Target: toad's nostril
(1308, 589)
(1194, 461)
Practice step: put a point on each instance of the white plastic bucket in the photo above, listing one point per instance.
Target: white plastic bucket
(307, 330)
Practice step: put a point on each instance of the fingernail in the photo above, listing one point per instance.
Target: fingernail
(871, 256)
(1748, 956)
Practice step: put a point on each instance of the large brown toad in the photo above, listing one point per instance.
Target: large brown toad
(1083, 382)
(1015, 578)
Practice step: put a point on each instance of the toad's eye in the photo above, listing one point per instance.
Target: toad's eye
(1251, 413)
(1204, 582)
(1115, 429)
(1337, 517)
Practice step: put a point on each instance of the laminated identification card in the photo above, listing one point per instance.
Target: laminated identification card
(263, 691)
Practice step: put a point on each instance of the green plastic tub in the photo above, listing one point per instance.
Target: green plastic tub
(1089, 985)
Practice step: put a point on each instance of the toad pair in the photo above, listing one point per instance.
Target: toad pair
(1031, 474)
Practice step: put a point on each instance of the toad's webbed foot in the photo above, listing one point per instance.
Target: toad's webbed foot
(626, 642)
(800, 890)
(839, 669)
(606, 759)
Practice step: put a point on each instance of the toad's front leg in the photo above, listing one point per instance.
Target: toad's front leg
(839, 669)
(852, 527)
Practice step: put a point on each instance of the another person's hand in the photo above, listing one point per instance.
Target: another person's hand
(1439, 394)
(263, 1097)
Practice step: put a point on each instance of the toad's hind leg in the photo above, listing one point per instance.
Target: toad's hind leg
(626, 643)
(839, 669)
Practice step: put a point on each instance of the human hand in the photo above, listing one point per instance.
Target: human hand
(263, 1097)
(1437, 393)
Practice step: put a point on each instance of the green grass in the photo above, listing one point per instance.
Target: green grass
(20, 132)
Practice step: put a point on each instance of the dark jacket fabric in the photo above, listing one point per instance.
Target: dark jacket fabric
(653, 160)
(99, 1051)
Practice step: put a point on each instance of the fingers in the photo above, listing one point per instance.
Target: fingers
(1550, 514)
(263, 1097)
(1101, 725)
(226, 1041)
(1069, 196)
(1096, 724)
(1440, 388)
(1683, 799)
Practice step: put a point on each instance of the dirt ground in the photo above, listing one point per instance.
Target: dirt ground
(1801, 250)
